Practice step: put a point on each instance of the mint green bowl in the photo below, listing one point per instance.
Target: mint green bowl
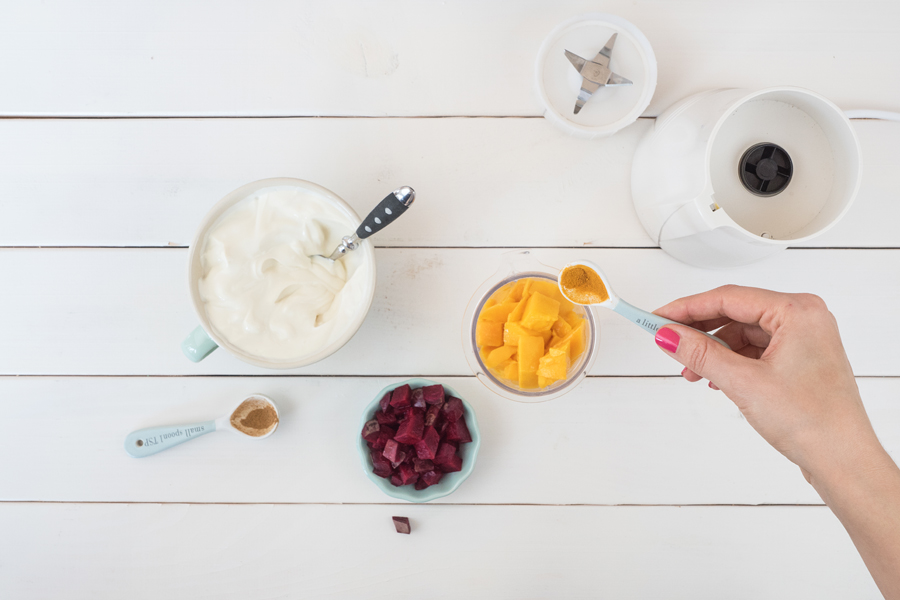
(450, 481)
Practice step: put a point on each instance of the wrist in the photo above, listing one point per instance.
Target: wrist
(850, 468)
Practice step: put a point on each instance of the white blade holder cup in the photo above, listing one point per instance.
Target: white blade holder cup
(647, 321)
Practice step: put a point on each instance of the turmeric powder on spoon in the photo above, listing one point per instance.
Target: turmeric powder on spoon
(583, 285)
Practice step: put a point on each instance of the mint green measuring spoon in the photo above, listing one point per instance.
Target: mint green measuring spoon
(145, 442)
(647, 321)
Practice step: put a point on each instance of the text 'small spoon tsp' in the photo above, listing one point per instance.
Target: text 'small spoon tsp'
(255, 417)
(603, 295)
(387, 211)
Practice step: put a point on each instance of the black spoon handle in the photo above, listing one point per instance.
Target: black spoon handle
(387, 211)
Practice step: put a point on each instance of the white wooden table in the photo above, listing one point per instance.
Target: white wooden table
(122, 123)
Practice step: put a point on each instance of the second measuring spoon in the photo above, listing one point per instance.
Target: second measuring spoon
(253, 418)
(605, 297)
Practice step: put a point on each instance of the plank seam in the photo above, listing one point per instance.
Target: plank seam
(498, 504)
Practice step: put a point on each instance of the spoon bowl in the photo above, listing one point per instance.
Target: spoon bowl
(647, 321)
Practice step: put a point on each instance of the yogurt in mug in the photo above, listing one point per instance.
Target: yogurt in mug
(261, 290)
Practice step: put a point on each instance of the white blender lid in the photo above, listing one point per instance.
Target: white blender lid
(611, 107)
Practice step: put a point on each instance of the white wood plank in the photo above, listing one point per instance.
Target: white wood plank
(149, 182)
(611, 441)
(255, 552)
(420, 58)
(125, 311)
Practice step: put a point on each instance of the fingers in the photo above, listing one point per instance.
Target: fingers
(738, 335)
(742, 304)
(705, 357)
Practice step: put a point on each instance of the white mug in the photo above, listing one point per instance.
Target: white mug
(204, 339)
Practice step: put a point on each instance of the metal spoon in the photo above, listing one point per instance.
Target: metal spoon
(643, 319)
(387, 211)
(145, 442)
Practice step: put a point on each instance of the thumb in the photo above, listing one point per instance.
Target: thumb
(705, 357)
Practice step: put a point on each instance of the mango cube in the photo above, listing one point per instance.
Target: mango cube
(511, 371)
(554, 365)
(540, 313)
(488, 333)
(516, 315)
(572, 319)
(575, 340)
(513, 331)
(531, 348)
(498, 312)
(551, 290)
(499, 355)
(561, 328)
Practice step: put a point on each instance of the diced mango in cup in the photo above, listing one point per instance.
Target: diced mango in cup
(498, 356)
(488, 333)
(531, 348)
(541, 312)
(554, 365)
(529, 334)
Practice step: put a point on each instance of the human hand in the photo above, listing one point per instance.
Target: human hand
(787, 372)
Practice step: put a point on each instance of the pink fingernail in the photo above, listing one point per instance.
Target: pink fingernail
(683, 371)
(667, 339)
(713, 386)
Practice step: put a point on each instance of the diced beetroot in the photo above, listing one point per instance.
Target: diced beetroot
(444, 453)
(385, 402)
(427, 447)
(458, 431)
(453, 409)
(401, 458)
(411, 428)
(434, 394)
(384, 418)
(410, 452)
(392, 451)
(418, 398)
(431, 477)
(386, 434)
(380, 465)
(371, 431)
(407, 474)
(421, 466)
(432, 414)
(400, 397)
(453, 464)
(420, 484)
(443, 428)
(396, 479)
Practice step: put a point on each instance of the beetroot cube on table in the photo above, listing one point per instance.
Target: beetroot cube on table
(401, 524)
(458, 431)
(434, 394)
(407, 474)
(380, 465)
(421, 466)
(418, 398)
(384, 418)
(411, 428)
(427, 447)
(431, 477)
(371, 431)
(400, 398)
(385, 402)
(392, 451)
(453, 409)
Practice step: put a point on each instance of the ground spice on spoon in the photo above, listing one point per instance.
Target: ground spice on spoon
(254, 417)
(582, 285)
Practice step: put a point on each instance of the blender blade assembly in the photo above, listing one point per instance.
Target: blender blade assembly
(595, 73)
